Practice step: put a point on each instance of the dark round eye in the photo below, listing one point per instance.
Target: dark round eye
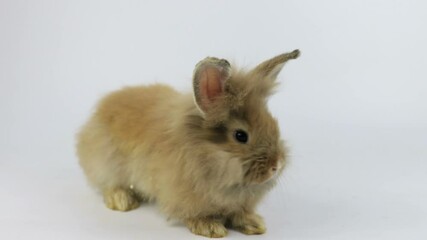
(241, 136)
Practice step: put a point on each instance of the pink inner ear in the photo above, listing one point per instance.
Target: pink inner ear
(210, 84)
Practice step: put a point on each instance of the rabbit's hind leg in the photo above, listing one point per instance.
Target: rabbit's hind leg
(121, 199)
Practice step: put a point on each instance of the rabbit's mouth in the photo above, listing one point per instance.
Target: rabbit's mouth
(263, 172)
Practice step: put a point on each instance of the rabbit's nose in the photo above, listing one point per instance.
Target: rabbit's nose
(275, 166)
(272, 172)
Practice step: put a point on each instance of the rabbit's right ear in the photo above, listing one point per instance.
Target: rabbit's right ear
(209, 80)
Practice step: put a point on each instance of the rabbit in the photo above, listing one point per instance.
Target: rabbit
(206, 158)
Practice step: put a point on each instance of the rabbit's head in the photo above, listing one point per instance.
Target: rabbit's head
(234, 114)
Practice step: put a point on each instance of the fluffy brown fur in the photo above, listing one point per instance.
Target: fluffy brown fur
(154, 143)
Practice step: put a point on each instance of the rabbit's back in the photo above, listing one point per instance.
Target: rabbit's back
(136, 113)
(125, 123)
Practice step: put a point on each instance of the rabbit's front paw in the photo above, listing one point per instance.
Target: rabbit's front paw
(208, 227)
(121, 199)
(248, 223)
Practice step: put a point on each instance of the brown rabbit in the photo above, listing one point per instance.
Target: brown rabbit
(206, 158)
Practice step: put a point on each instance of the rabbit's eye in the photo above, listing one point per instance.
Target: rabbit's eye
(241, 136)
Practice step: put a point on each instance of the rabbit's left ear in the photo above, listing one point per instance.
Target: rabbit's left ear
(209, 80)
(272, 67)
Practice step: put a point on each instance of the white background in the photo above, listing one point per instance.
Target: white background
(352, 108)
